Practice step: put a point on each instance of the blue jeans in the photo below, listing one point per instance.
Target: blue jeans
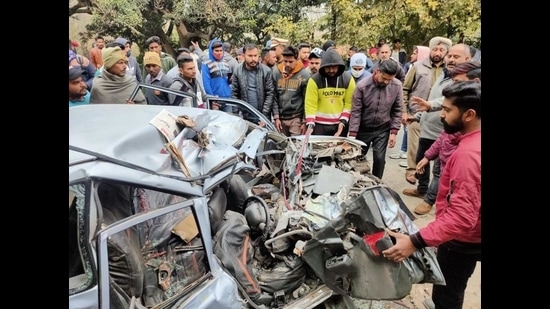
(434, 184)
(404, 141)
(423, 179)
(379, 141)
(457, 267)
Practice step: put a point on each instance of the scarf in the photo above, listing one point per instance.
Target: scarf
(110, 88)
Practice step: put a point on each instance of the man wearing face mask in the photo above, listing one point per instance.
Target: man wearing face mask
(375, 119)
(358, 65)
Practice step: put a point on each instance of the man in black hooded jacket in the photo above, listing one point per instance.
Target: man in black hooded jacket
(328, 96)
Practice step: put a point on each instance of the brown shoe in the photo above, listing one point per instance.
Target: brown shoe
(422, 208)
(410, 178)
(414, 193)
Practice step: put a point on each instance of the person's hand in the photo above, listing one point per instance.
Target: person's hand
(215, 105)
(420, 165)
(309, 129)
(340, 129)
(402, 249)
(421, 104)
(391, 141)
(303, 128)
(130, 102)
(404, 117)
(278, 125)
(196, 44)
(261, 124)
(410, 119)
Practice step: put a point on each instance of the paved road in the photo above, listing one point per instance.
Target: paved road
(394, 176)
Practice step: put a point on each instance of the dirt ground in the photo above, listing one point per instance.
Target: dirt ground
(394, 176)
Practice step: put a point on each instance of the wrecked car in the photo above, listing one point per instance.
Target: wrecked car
(181, 207)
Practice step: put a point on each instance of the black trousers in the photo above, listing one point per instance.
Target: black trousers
(457, 268)
(378, 140)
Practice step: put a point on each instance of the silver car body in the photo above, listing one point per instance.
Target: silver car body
(114, 147)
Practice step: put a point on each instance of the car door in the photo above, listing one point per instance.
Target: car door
(156, 257)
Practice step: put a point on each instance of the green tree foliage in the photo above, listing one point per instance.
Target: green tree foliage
(415, 22)
(348, 22)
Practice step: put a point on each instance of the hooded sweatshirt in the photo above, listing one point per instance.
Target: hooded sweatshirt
(328, 99)
(422, 52)
(216, 74)
(360, 59)
(291, 90)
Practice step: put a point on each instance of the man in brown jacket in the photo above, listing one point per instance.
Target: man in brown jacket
(418, 82)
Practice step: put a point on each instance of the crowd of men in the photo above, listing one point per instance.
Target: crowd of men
(434, 96)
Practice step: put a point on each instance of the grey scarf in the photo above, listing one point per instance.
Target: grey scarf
(110, 88)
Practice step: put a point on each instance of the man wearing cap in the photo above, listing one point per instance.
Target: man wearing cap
(78, 91)
(74, 45)
(431, 127)
(88, 68)
(155, 76)
(113, 85)
(315, 60)
(278, 45)
(358, 66)
(419, 81)
(329, 44)
(133, 66)
(240, 55)
(373, 54)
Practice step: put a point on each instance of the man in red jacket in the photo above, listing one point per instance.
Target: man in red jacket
(456, 230)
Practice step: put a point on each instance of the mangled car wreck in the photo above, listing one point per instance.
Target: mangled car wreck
(210, 211)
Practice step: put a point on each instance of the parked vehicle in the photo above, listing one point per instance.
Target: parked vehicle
(226, 215)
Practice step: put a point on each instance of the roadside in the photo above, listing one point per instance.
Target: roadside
(394, 177)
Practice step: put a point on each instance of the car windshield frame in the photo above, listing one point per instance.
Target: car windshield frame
(233, 102)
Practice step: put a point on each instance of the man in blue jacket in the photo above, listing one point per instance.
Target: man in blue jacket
(216, 74)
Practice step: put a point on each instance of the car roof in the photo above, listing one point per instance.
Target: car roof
(121, 133)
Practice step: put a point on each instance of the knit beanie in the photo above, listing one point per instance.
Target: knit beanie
(74, 72)
(373, 50)
(440, 40)
(328, 44)
(112, 55)
(122, 41)
(72, 55)
(152, 58)
(358, 59)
